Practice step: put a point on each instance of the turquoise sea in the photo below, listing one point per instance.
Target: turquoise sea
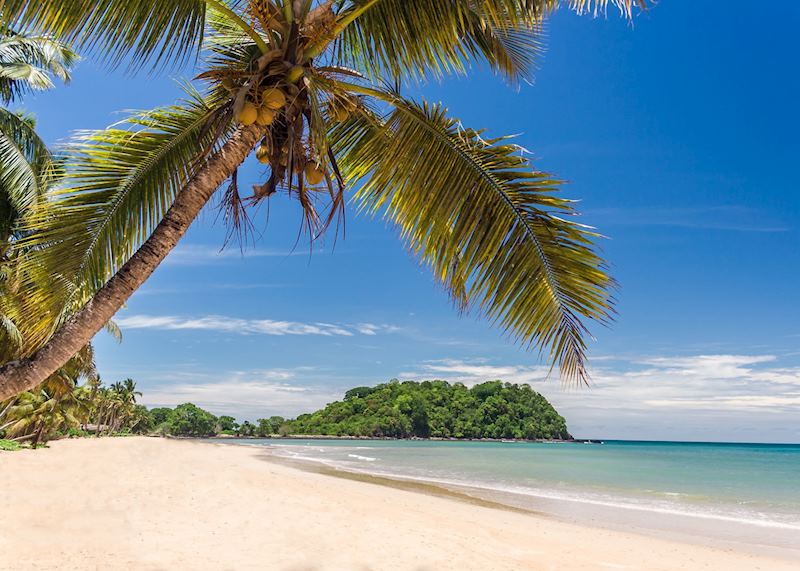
(734, 492)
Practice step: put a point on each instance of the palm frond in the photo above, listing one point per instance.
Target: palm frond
(155, 31)
(493, 230)
(25, 162)
(413, 38)
(113, 329)
(9, 334)
(121, 182)
(29, 63)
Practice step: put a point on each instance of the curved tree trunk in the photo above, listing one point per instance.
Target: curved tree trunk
(25, 374)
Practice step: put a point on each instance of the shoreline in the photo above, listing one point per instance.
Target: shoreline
(148, 503)
(685, 528)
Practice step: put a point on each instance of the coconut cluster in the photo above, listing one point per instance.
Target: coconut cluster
(263, 109)
(279, 106)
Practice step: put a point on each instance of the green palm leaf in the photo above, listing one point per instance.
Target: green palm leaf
(121, 182)
(25, 161)
(159, 31)
(493, 231)
(31, 63)
(417, 37)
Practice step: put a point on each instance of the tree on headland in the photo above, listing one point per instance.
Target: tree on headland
(190, 420)
(227, 425)
(160, 415)
(313, 87)
(270, 426)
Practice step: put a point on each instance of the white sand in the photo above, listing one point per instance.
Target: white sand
(146, 503)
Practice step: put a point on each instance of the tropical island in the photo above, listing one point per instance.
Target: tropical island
(407, 409)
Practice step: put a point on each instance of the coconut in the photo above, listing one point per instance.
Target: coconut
(248, 114)
(265, 116)
(273, 98)
(314, 175)
(295, 73)
(262, 153)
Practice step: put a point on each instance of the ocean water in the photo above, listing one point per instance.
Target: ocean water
(741, 492)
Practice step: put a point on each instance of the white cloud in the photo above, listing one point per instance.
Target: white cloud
(476, 371)
(374, 329)
(245, 394)
(225, 324)
(706, 366)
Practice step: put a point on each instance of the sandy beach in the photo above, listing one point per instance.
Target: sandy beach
(150, 503)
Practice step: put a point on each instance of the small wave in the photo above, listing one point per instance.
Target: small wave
(365, 458)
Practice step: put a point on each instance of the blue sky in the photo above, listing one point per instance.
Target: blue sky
(678, 134)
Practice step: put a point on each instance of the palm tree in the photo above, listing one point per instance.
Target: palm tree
(129, 386)
(120, 404)
(27, 63)
(314, 88)
(56, 405)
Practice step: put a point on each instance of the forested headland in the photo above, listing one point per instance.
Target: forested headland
(437, 409)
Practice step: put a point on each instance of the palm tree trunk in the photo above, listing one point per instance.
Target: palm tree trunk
(37, 435)
(25, 374)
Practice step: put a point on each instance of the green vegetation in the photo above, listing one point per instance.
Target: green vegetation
(190, 420)
(9, 445)
(437, 409)
(430, 409)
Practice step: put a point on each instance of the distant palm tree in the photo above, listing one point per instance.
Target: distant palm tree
(314, 88)
(130, 390)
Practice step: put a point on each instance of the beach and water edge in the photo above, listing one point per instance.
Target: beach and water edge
(672, 507)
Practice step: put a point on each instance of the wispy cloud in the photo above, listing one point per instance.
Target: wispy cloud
(224, 324)
(374, 329)
(197, 254)
(245, 394)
